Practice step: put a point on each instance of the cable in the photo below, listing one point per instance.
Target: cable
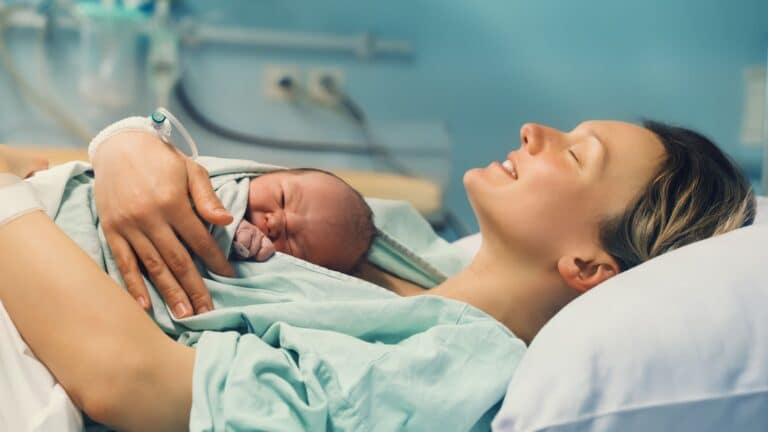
(371, 148)
(53, 109)
(215, 128)
(358, 115)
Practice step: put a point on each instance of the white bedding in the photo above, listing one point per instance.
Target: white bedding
(30, 398)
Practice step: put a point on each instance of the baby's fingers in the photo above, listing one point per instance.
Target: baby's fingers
(265, 249)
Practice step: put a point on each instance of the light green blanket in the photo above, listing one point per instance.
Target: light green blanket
(294, 346)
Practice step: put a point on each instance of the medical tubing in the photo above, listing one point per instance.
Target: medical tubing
(130, 124)
(182, 130)
(159, 127)
(358, 116)
(370, 149)
(353, 109)
(211, 126)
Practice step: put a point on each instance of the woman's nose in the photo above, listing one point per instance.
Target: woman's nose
(535, 138)
(531, 139)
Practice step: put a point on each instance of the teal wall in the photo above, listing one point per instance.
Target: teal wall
(481, 68)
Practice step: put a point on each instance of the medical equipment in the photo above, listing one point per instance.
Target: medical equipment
(111, 64)
(12, 15)
(370, 147)
(161, 122)
(109, 55)
(109, 34)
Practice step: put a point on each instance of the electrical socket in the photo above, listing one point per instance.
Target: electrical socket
(315, 88)
(274, 76)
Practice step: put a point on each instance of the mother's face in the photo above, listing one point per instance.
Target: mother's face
(552, 192)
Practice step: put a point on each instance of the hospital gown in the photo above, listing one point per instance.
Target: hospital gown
(294, 346)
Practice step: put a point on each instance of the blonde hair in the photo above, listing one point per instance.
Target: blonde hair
(697, 193)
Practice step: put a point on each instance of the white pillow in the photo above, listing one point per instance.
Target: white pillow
(679, 343)
(762, 211)
(469, 244)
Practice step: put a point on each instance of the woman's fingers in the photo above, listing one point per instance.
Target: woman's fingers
(129, 269)
(177, 260)
(199, 240)
(161, 276)
(206, 202)
(209, 207)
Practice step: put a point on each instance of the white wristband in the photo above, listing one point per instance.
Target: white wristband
(130, 124)
(17, 197)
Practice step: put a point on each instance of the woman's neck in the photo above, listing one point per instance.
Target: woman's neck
(517, 294)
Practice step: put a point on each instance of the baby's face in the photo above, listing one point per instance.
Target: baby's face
(304, 214)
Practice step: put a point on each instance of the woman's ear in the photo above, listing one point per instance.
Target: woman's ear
(584, 274)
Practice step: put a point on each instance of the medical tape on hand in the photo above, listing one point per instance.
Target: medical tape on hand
(17, 198)
(159, 124)
(130, 124)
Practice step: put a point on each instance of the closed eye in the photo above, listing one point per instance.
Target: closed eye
(574, 156)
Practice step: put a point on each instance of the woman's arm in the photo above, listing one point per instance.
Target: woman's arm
(111, 358)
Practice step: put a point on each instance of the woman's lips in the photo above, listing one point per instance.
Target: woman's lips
(509, 167)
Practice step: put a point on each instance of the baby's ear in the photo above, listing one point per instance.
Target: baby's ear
(584, 274)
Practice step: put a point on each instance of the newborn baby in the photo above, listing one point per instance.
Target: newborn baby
(308, 213)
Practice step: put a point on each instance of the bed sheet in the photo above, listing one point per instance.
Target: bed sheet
(30, 398)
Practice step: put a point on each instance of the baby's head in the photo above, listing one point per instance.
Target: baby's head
(313, 215)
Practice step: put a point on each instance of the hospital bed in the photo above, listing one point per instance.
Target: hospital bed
(426, 196)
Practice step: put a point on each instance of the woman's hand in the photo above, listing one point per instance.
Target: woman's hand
(19, 162)
(142, 191)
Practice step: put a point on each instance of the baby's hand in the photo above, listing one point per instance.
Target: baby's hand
(250, 242)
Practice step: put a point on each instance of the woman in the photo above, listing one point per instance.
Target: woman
(567, 212)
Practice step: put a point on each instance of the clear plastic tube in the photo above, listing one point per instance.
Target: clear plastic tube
(182, 130)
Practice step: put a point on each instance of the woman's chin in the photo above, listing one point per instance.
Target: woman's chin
(470, 176)
(473, 181)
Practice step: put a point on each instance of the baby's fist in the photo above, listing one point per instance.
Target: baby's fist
(251, 243)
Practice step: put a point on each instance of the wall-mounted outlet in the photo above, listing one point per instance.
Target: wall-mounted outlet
(281, 83)
(321, 81)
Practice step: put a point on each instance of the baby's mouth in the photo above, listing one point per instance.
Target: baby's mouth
(261, 223)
